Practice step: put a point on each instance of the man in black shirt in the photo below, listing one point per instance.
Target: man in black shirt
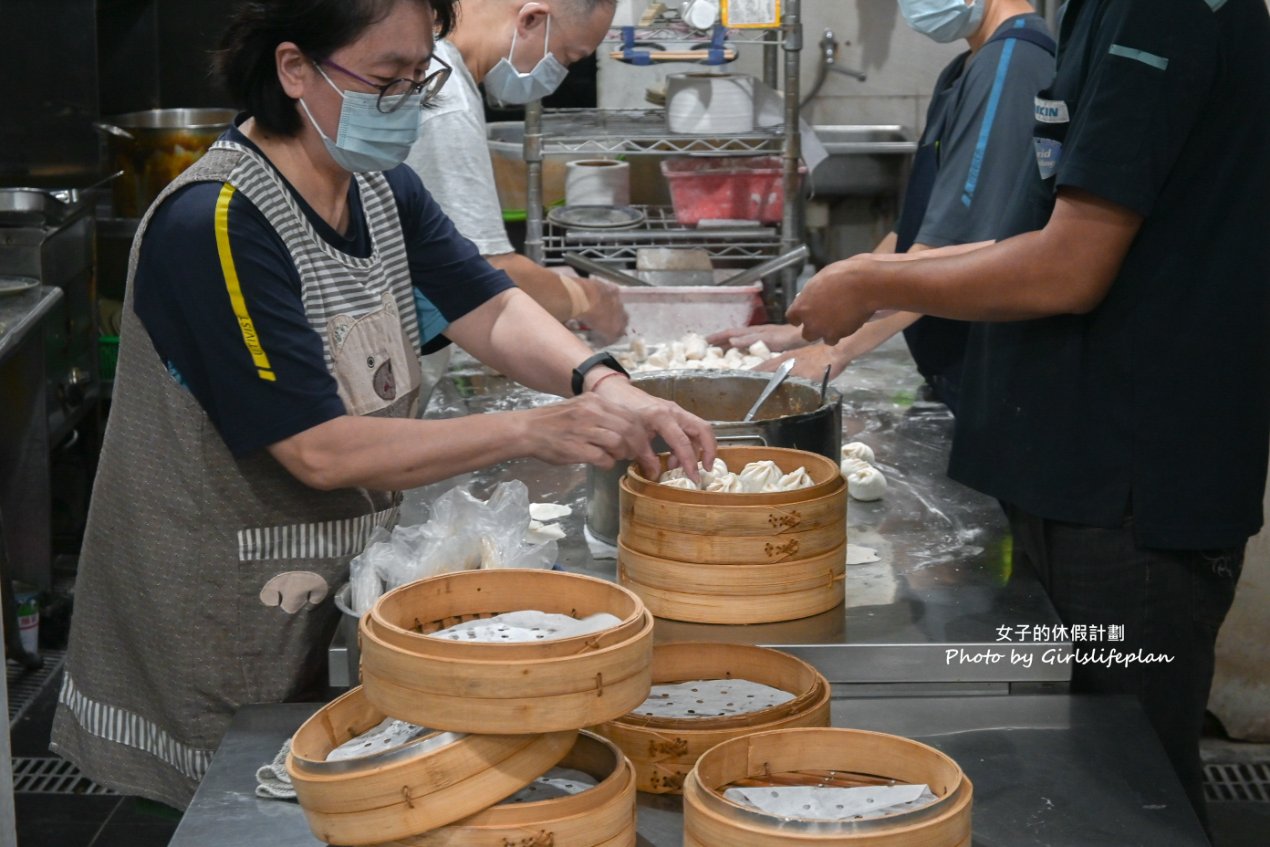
(1119, 400)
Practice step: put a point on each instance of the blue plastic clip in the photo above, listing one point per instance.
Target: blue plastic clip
(715, 54)
(630, 54)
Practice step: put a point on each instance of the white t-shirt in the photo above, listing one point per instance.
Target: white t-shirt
(452, 158)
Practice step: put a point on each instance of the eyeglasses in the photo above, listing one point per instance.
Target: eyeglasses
(397, 92)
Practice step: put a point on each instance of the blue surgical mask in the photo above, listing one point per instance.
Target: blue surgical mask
(943, 20)
(368, 139)
(505, 85)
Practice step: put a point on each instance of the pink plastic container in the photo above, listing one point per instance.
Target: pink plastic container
(710, 188)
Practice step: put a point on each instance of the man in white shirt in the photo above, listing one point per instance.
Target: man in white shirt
(520, 51)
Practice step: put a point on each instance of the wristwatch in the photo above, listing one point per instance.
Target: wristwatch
(580, 372)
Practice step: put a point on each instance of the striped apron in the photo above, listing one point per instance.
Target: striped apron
(206, 580)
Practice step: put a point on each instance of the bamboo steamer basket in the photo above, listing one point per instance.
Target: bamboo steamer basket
(504, 688)
(709, 533)
(401, 792)
(663, 750)
(401, 615)
(735, 594)
(825, 756)
(603, 816)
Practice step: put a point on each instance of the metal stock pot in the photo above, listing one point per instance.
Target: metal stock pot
(153, 147)
(793, 417)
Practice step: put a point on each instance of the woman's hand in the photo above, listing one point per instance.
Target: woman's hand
(777, 337)
(689, 437)
(811, 362)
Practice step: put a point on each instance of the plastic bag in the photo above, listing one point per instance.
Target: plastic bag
(463, 533)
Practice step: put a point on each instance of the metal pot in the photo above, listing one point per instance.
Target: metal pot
(153, 147)
(794, 417)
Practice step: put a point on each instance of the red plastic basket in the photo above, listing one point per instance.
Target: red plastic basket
(704, 188)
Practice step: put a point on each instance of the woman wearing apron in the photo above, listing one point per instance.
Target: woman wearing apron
(264, 407)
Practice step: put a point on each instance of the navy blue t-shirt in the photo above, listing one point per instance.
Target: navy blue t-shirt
(1154, 408)
(182, 300)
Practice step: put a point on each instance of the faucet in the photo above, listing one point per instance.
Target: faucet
(829, 62)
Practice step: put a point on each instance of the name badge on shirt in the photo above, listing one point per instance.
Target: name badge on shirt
(1048, 152)
(1051, 111)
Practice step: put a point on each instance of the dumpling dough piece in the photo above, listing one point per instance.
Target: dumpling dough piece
(866, 483)
(758, 348)
(858, 450)
(756, 476)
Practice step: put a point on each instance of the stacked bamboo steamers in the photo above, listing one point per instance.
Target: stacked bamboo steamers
(722, 558)
(498, 717)
(697, 719)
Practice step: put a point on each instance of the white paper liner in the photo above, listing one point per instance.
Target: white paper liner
(547, 512)
(389, 734)
(710, 698)
(830, 803)
(526, 626)
(557, 782)
(859, 555)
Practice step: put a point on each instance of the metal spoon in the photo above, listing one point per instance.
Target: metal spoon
(772, 384)
(824, 384)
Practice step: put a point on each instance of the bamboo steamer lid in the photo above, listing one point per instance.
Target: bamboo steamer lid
(711, 819)
(512, 688)
(664, 749)
(412, 789)
(603, 816)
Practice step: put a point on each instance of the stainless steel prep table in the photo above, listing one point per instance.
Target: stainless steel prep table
(943, 582)
(1056, 770)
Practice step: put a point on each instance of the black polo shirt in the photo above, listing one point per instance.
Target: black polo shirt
(1156, 404)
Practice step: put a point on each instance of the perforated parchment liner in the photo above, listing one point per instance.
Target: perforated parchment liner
(526, 626)
(557, 782)
(390, 734)
(829, 803)
(710, 698)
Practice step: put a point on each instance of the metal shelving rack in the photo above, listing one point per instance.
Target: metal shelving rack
(635, 132)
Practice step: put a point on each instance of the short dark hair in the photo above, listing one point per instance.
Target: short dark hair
(245, 61)
(586, 8)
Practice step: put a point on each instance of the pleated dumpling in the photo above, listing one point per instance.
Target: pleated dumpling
(858, 450)
(794, 480)
(756, 476)
(681, 482)
(728, 483)
(673, 473)
(866, 483)
(717, 470)
(850, 465)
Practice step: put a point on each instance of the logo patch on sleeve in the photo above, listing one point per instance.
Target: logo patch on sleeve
(1048, 152)
(1051, 111)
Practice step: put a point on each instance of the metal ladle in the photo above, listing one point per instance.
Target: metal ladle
(772, 384)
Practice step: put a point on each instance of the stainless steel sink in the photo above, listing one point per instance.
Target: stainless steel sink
(864, 160)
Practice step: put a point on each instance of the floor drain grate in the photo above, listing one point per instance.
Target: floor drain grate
(51, 775)
(1243, 782)
(25, 686)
